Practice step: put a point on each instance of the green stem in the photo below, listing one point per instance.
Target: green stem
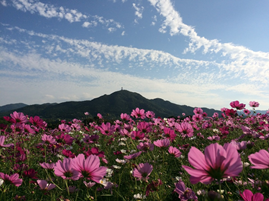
(67, 187)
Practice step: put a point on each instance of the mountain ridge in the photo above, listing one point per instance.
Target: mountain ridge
(110, 106)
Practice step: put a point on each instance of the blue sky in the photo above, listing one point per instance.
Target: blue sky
(197, 53)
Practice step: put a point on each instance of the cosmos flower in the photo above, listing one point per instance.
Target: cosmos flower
(142, 171)
(90, 167)
(174, 151)
(237, 105)
(184, 193)
(43, 184)
(253, 104)
(162, 143)
(65, 169)
(12, 179)
(218, 162)
(18, 117)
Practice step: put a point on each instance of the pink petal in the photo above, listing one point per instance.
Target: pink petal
(258, 197)
(260, 159)
(197, 159)
(247, 195)
(215, 155)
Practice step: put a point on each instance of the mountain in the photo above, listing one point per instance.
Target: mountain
(110, 106)
(14, 106)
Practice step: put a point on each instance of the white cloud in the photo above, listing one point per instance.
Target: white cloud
(255, 65)
(91, 50)
(51, 11)
(111, 29)
(47, 74)
(3, 2)
(138, 10)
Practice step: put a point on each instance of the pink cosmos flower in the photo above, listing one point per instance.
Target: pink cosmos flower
(185, 128)
(99, 116)
(2, 140)
(198, 111)
(237, 105)
(47, 165)
(230, 112)
(197, 117)
(142, 171)
(247, 195)
(86, 113)
(217, 163)
(184, 193)
(150, 114)
(65, 169)
(18, 117)
(144, 127)
(12, 179)
(169, 133)
(43, 184)
(90, 167)
(132, 156)
(64, 127)
(162, 143)
(145, 146)
(260, 159)
(89, 184)
(215, 137)
(137, 113)
(48, 139)
(174, 151)
(125, 117)
(137, 135)
(253, 104)
(215, 115)
(107, 129)
(246, 111)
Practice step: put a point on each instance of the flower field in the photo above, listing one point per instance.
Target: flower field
(137, 157)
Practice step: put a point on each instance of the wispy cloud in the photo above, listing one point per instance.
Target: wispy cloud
(254, 65)
(3, 2)
(98, 51)
(63, 80)
(80, 78)
(51, 11)
(138, 10)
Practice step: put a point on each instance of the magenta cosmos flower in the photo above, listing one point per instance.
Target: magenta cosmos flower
(12, 179)
(2, 140)
(142, 171)
(247, 195)
(260, 159)
(237, 105)
(89, 168)
(218, 162)
(65, 169)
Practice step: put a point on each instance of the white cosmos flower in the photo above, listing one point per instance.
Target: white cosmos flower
(139, 196)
